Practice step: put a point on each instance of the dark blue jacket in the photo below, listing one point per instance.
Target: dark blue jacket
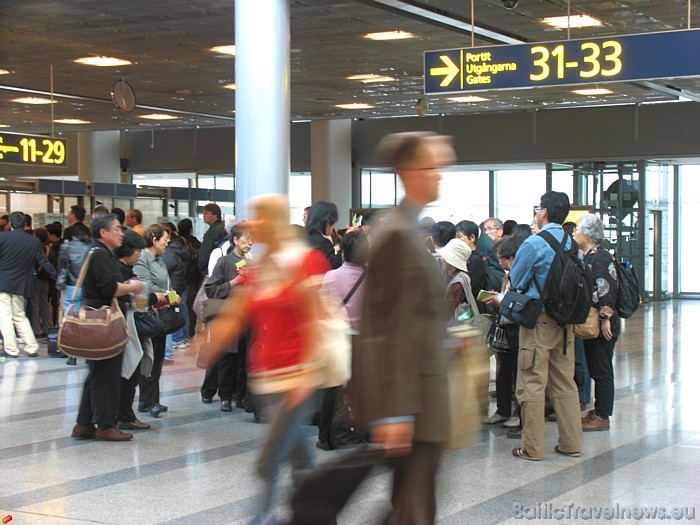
(19, 251)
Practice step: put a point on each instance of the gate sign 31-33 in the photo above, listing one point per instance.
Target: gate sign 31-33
(584, 61)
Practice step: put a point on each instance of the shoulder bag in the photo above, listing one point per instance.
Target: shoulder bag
(170, 317)
(92, 333)
(591, 328)
(521, 309)
(496, 338)
(148, 323)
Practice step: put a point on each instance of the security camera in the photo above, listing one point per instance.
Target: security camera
(509, 4)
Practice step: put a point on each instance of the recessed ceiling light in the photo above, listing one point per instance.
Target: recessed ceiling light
(592, 91)
(102, 61)
(390, 35)
(468, 98)
(562, 22)
(158, 116)
(4, 72)
(71, 121)
(33, 100)
(355, 105)
(4, 125)
(371, 77)
(224, 50)
(230, 86)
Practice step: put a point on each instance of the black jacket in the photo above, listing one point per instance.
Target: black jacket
(322, 244)
(175, 258)
(219, 283)
(18, 254)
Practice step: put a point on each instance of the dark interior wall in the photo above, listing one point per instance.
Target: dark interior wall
(618, 133)
(207, 150)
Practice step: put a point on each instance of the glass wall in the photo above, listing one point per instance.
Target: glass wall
(299, 193)
(517, 191)
(689, 249)
(464, 193)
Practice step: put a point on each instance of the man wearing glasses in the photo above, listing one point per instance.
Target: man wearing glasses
(493, 228)
(543, 358)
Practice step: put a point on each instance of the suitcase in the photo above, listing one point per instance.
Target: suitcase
(52, 344)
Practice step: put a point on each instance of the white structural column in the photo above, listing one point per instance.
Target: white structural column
(98, 156)
(262, 99)
(331, 164)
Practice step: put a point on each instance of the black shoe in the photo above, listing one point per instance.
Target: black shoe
(261, 420)
(71, 361)
(153, 409)
(163, 408)
(226, 405)
(206, 400)
(323, 445)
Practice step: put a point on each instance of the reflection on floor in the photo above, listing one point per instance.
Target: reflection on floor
(196, 465)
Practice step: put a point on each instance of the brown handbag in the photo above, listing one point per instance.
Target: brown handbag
(93, 333)
(591, 328)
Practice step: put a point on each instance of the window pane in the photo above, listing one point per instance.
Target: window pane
(299, 196)
(689, 190)
(464, 195)
(383, 189)
(517, 191)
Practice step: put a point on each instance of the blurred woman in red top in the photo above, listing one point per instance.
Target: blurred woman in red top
(280, 302)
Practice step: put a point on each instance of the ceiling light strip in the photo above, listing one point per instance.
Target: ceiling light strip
(422, 12)
(111, 102)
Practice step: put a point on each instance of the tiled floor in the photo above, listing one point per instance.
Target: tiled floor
(196, 466)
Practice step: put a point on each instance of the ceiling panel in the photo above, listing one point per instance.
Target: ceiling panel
(173, 69)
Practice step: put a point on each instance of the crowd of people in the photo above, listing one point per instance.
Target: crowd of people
(401, 280)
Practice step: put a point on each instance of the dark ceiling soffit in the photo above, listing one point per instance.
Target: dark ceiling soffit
(111, 102)
(665, 89)
(440, 18)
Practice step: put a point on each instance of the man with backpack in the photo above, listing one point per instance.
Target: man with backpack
(546, 353)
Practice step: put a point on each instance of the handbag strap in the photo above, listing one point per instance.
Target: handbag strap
(356, 286)
(83, 272)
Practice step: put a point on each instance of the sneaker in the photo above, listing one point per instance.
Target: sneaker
(512, 422)
(519, 452)
(594, 423)
(494, 419)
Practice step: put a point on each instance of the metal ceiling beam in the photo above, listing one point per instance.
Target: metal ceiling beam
(442, 18)
(110, 101)
(665, 89)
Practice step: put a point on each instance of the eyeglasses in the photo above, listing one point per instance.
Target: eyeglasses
(535, 209)
(490, 229)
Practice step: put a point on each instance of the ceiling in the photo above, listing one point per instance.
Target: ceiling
(174, 72)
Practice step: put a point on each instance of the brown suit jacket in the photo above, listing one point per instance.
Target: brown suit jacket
(401, 363)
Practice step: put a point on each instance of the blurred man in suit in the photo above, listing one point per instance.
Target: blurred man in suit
(401, 363)
(18, 254)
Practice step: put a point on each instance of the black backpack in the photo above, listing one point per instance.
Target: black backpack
(627, 290)
(568, 289)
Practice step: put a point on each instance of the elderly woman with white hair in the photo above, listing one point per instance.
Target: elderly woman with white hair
(590, 235)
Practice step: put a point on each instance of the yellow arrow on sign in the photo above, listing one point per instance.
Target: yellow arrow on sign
(450, 71)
